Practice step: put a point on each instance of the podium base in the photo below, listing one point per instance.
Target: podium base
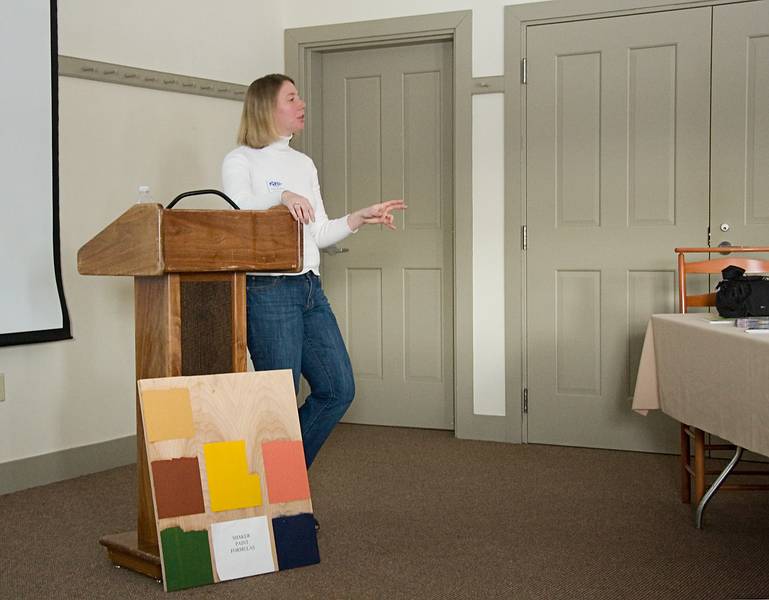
(123, 550)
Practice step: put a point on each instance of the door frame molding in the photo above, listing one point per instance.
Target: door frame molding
(303, 49)
(517, 18)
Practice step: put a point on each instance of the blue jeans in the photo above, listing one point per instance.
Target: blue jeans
(291, 326)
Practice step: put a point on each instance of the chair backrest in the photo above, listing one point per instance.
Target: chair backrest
(714, 266)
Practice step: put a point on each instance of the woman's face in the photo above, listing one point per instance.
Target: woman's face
(289, 110)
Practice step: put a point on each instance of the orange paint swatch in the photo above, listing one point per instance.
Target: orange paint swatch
(167, 414)
(285, 471)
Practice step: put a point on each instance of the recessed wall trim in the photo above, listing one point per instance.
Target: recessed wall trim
(83, 68)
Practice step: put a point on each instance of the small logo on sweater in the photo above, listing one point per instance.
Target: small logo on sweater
(274, 185)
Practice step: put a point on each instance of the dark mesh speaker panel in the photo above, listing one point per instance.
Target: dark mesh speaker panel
(206, 327)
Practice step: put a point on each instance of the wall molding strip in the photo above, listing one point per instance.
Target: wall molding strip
(65, 464)
(82, 68)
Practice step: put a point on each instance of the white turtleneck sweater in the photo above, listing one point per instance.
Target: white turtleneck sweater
(256, 178)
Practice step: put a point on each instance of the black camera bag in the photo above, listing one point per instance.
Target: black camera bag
(739, 295)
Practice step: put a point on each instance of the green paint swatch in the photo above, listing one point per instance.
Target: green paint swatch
(186, 558)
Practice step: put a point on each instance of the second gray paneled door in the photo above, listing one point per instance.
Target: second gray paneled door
(617, 132)
(740, 157)
(387, 133)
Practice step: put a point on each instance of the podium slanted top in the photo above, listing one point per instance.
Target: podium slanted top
(150, 240)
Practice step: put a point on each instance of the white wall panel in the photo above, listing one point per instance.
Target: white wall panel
(488, 256)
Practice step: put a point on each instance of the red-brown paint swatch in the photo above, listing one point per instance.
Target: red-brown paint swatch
(177, 487)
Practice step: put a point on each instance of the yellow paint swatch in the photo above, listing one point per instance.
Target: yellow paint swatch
(167, 414)
(230, 486)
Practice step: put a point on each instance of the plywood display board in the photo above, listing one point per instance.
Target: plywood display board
(229, 481)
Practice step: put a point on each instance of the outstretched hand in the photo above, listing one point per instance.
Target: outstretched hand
(376, 214)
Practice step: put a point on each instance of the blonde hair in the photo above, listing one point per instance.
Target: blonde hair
(257, 126)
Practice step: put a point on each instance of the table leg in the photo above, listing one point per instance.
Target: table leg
(716, 484)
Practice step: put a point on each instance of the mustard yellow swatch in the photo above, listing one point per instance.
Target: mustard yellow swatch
(230, 485)
(167, 414)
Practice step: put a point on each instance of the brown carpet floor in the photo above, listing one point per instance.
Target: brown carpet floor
(411, 513)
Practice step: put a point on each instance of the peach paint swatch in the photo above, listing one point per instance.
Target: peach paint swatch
(167, 414)
(230, 485)
(285, 471)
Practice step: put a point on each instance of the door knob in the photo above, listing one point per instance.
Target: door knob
(724, 244)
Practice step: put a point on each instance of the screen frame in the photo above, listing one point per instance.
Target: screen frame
(63, 332)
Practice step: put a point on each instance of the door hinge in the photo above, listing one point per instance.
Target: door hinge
(524, 72)
(524, 238)
(525, 400)
(708, 236)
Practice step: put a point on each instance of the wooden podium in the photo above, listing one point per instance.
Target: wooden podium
(189, 269)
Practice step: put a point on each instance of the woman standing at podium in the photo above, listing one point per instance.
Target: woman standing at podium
(290, 322)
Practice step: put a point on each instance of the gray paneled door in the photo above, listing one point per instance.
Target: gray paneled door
(617, 172)
(387, 133)
(740, 141)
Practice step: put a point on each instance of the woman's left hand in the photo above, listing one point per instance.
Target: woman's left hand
(376, 214)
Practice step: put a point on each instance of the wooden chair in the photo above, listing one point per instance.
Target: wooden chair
(710, 266)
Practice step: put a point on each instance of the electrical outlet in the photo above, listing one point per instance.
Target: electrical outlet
(2, 387)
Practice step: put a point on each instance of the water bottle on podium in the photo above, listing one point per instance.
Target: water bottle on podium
(144, 197)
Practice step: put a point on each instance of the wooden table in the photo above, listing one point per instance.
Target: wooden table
(714, 377)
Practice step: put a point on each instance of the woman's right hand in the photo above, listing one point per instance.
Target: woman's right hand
(299, 207)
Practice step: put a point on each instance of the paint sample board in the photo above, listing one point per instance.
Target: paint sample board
(228, 475)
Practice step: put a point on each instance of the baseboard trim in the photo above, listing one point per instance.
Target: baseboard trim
(65, 464)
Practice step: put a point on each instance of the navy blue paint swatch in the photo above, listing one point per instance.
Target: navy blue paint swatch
(295, 542)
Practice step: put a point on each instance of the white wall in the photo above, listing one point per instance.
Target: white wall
(488, 255)
(229, 40)
(113, 138)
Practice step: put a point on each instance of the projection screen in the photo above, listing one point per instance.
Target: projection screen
(32, 305)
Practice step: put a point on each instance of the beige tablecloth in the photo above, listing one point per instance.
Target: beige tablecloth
(712, 376)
